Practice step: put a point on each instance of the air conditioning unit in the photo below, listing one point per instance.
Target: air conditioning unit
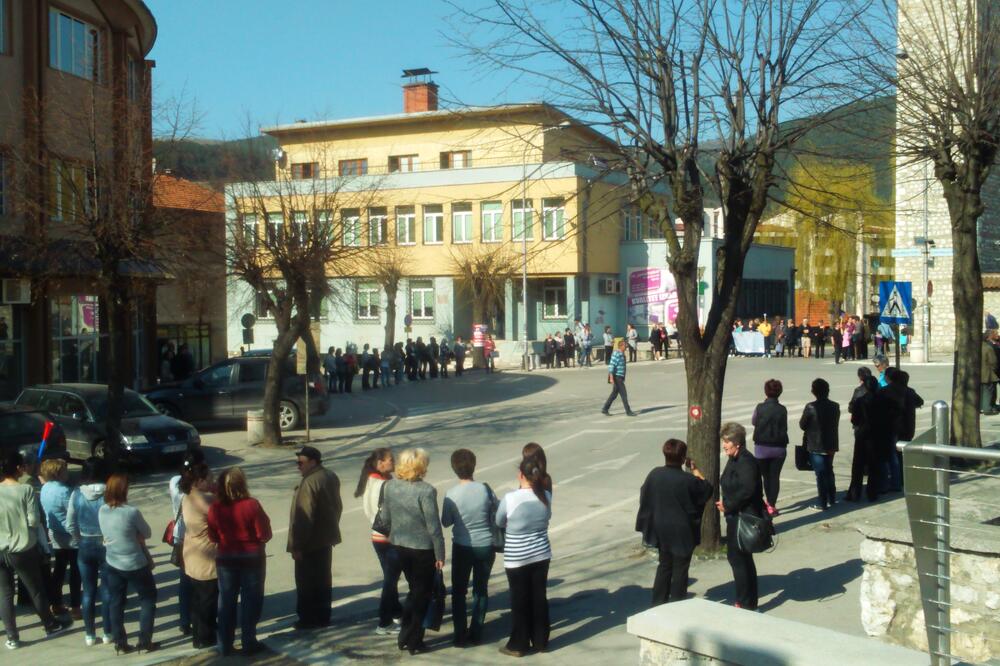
(16, 291)
(618, 286)
(607, 286)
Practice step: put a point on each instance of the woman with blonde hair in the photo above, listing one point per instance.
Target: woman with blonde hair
(410, 509)
(54, 497)
(239, 527)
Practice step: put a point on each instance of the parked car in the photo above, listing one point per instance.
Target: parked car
(225, 391)
(30, 431)
(81, 410)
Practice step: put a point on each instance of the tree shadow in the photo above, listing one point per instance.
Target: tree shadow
(802, 585)
(596, 610)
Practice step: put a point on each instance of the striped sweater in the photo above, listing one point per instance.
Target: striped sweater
(526, 521)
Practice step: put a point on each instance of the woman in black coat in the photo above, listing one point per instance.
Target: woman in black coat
(671, 503)
(741, 492)
(821, 423)
(770, 439)
(864, 457)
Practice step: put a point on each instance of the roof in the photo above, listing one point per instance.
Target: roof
(500, 112)
(173, 192)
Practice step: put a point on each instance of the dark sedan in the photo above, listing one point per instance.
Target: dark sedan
(225, 391)
(81, 410)
(30, 431)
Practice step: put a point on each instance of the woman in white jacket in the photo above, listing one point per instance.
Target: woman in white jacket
(377, 469)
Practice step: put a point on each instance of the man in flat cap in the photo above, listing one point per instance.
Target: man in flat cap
(313, 531)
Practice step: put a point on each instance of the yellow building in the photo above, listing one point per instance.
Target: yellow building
(442, 186)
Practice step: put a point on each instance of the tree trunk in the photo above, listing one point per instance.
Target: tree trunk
(478, 317)
(967, 283)
(391, 291)
(283, 345)
(116, 304)
(314, 367)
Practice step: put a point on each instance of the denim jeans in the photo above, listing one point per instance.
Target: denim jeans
(94, 576)
(247, 583)
(388, 605)
(145, 588)
(478, 562)
(825, 484)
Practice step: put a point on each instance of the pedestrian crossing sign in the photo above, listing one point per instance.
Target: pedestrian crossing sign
(895, 302)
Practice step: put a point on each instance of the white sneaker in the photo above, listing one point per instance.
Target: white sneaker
(107, 640)
(90, 641)
(391, 630)
(11, 644)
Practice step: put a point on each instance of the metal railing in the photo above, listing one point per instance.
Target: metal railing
(929, 470)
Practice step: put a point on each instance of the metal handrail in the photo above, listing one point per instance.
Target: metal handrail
(927, 481)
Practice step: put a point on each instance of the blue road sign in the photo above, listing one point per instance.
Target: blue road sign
(895, 302)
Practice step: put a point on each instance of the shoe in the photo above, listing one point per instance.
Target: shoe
(123, 648)
(186, 630)
(420, 649)
(605, 412)
(510, 653)
(147, 646)
(631, 414)
(75, 613)
(12, 644)
(107, 640)
(90, 641)
(252, 649)
(772, 510)
(304, 626)
(58, 627)
(391, 630)
(817, 507)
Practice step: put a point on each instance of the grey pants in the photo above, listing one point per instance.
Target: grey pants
(27, 565)
(618, 388)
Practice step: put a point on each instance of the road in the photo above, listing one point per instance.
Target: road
(600, 573)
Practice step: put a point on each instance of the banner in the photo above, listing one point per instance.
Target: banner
(749, 342)
(652, 296)
(478, 334)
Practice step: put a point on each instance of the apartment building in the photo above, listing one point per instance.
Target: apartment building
(75, 84)
(526, 181)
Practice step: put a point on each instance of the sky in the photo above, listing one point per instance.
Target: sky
(259, 62)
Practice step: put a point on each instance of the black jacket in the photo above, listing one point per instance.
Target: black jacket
(860, 409)
(821, 423)
(887, 416)
(741, 485)
(770, 423)
(911, 402)
(671, 503)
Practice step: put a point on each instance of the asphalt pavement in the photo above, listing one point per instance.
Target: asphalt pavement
(600, 573)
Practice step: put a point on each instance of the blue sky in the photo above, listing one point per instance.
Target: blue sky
(278, 61)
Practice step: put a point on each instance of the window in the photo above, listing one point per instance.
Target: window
(250, 230)
(653, 228)
(553, 219)
(403, 163)
(74, 46)
(252, 372)
(433, 225)
(218, 376)
(522, 220)
(461, 223)
(275, 228)
(358, 167)
(422, 299)
(134, 87)
(627, 223)
(369, 296)
(406, 233)
(492, 221)
(260, 309)
(377, 223)
(350, 218)
(458, 159)
(554, 299)
(70, 184)
(300, 219)
(324, 231)
(305, 170)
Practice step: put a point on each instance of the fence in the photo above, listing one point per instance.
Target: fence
(944, 524)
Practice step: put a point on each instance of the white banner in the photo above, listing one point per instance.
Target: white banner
(749, 342)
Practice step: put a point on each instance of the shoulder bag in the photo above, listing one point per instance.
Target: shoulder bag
(803, 461)
(381, 524)
(754, 534)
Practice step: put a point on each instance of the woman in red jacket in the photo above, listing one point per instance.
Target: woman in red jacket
(238, 524)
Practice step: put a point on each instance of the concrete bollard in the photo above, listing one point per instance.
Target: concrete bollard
(255, 426)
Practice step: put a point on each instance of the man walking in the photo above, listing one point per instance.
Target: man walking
(616, 377)
(314, 529)
(459, 350)
(805, 339)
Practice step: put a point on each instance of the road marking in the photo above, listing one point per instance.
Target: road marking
(609, 465)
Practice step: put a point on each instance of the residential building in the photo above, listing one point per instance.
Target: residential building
(75, 84)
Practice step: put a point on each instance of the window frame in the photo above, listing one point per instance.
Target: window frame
(347, 167)
(274, 230)
(352, 217)
(300, 220)
(519, 206)
(447, 159)
(554, 288)
(426, 289)
(409, 215)
(396, 163)
(550, 209)
(92, 66)
(496, 221)
(378, 219)
(369, 289)
(262, 312)
(437, 219)
(463, 209)
(250, 237)
(298, 170)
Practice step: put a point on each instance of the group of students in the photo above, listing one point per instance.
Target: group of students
(849, 337)
(416, 360)
(402, 510)
(575, 346)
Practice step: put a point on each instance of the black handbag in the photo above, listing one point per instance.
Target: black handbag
(435, 610)
(803, 462)
(498, 534)
(380, 523)
(753, 533)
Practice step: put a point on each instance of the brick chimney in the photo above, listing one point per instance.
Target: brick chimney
(420, 93)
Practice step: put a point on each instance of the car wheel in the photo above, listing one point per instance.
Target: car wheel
(288, 415)
(100, 450)
(167, 409)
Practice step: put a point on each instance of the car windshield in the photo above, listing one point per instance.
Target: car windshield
(133, 405)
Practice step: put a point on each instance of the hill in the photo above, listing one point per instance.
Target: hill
(217, 162)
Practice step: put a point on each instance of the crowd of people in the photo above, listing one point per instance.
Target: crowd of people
(848, 337)
(576, 346)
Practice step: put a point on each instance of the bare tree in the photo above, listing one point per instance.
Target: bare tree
(482, 273)
(948, 100)
(387, 265)
(693, 93)
(287, 238)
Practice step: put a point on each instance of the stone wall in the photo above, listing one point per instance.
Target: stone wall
(891, 607)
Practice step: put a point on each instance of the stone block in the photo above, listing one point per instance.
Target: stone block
(878, 604)
(873, 552)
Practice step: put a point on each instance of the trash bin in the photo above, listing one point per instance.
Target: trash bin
(255, 426)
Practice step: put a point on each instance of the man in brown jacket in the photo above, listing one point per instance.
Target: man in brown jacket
(313, 531)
